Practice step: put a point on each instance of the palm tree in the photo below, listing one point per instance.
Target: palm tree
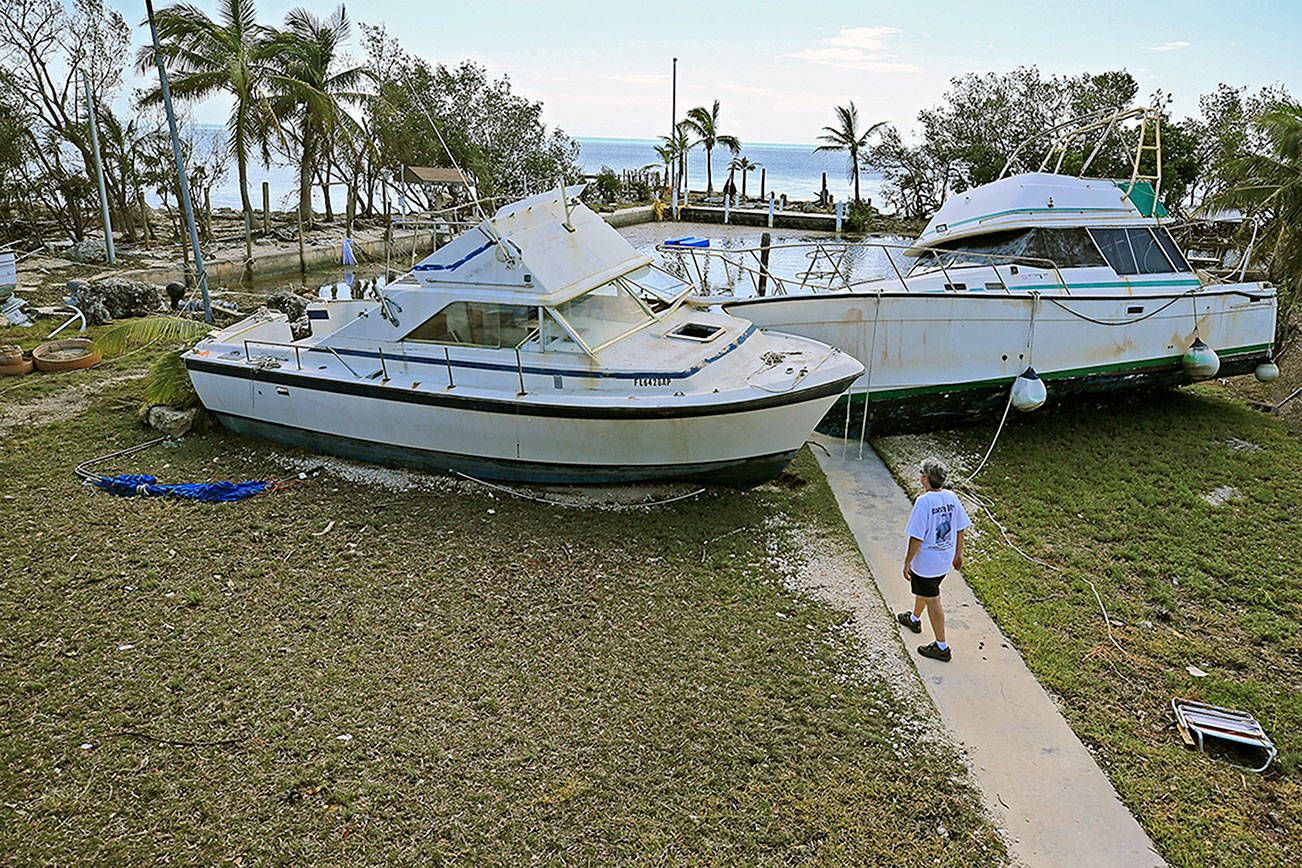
(846, 137)
(743, 165)
(705, 124)
(206, 57)
(673, 151)
(312, 88)
(1269, 187)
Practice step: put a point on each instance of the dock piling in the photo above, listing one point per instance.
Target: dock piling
(772, 202)
(266, 207)
(764, 258)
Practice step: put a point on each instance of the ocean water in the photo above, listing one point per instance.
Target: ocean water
(791, 169)
(795, 170)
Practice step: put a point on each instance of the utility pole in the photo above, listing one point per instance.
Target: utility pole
(99, 171)
(180, 166)
(673, 119)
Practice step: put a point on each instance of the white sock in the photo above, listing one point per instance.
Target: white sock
(943, 646)
(914, 618)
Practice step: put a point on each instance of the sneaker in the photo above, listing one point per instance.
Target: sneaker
(907, 620)
(935, 652)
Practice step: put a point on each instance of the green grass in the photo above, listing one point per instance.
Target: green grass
(1114, 495)
(519, 682)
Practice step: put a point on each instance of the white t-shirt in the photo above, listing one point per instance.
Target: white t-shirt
(936, 519)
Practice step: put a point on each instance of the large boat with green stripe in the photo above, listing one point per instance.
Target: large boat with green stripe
(1059, 283)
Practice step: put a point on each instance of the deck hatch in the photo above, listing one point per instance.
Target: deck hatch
(695, 331)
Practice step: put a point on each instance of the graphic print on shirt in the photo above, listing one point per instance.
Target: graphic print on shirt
(942, 530)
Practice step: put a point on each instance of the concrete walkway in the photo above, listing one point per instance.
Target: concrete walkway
(1055, 803)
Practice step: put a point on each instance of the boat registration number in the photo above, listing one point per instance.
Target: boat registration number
(650, 381)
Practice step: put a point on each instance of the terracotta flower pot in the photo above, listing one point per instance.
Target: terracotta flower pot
(14, 369)
(66, 355)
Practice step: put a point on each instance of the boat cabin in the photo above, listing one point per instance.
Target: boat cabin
(1043, 221)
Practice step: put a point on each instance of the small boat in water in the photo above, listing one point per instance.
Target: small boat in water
(1058, 283)
(538, 346)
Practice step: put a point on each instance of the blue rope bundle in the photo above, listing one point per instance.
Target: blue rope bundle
(142, 484)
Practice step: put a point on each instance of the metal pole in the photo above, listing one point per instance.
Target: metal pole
(673, 122)
(99, 171)
(180, 165)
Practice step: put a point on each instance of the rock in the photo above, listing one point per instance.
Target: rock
(115, 298)
(171, 421)
(300, 328)
(1220, 496)
(90, 250)
(288, 303)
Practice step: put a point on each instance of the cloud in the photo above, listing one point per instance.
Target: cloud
(862, 48)
(1166, 46)
(867, 38)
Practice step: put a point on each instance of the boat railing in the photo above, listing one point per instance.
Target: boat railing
(830, 266)
(299, 349)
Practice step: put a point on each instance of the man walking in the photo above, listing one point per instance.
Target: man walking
(935, 532)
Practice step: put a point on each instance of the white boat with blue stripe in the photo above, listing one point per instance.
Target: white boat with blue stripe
(537, 346)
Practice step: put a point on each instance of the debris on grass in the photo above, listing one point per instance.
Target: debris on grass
(1222, 495)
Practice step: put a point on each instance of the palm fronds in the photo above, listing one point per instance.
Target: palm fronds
(846, 136)
(155, 329)
(169, 382)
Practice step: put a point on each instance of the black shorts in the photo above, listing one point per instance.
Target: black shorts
(923, 586)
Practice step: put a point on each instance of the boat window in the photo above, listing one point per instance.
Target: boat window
(1172, 249)
(1066, 248)
(479, 324)
(1148, 254)
(603, 314)
(658, 284)
(1116, 249)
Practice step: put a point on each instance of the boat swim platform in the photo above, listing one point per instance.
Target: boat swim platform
(1039, 781)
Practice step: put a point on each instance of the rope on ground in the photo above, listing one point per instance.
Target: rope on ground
(126, 485)
(523, 495)
(1107, 620)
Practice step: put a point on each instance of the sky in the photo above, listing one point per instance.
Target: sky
(779, 68)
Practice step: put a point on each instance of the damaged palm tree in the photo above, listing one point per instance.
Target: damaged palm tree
(168, 383)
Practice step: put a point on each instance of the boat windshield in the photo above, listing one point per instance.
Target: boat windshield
(1066, 248)
(600, 316)
(657, 284)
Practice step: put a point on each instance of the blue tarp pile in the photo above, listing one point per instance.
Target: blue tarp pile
(129, 484)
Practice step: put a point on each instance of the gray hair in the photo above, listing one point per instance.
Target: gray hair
(935, 471)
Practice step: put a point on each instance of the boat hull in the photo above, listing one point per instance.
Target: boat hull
(934, 359)
(523, 440)
(741, 472)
